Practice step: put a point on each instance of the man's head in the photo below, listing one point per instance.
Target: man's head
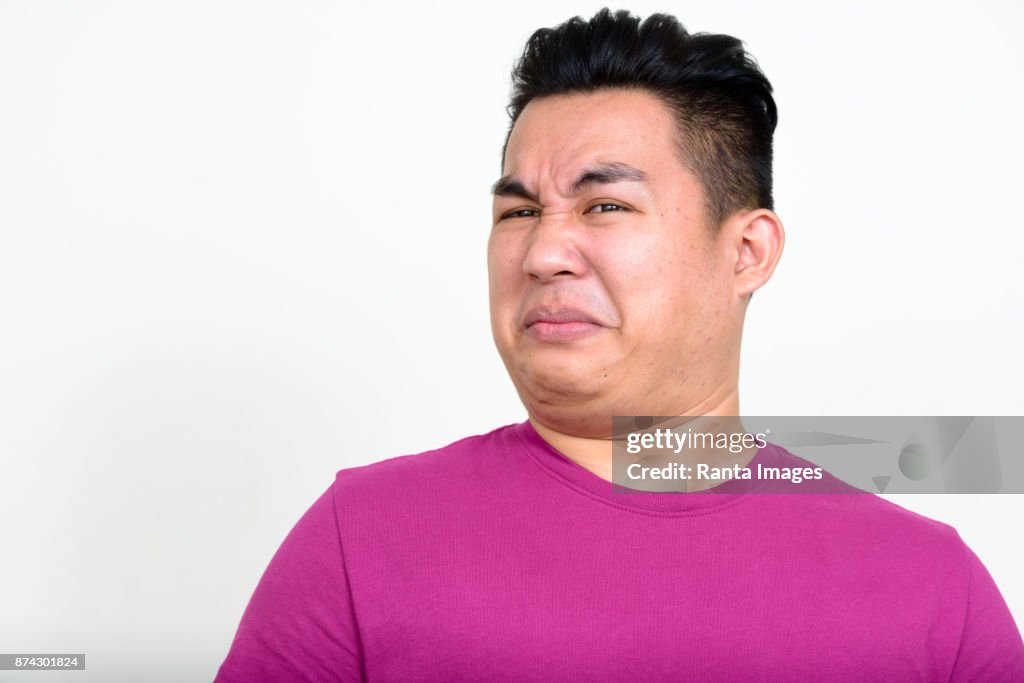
(721, 102)
(610, 295)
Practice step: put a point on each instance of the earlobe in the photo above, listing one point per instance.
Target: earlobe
(761, 238)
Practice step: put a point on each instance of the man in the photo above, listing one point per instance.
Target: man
(632, 223)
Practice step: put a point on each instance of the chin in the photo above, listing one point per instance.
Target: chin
(574, 401)
(561, 383)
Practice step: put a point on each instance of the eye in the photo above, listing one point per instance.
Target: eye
(606, 207)
(520, 213)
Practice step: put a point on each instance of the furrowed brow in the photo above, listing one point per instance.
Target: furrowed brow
(510, 187)
(608, 173)
(613, 172)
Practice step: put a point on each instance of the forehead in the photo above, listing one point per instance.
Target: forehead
(555, 135)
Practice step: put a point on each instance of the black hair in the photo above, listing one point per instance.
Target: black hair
(721, 100)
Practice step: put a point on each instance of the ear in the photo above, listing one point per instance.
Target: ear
(756, 240)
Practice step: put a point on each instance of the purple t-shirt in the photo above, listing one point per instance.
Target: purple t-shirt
(499, 559)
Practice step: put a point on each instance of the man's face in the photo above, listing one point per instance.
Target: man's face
(609, 293)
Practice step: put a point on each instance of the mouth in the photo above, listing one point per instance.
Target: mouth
(559, 324)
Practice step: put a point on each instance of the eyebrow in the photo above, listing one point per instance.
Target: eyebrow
(602, 174)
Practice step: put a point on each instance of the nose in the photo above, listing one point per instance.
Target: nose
(552, 252)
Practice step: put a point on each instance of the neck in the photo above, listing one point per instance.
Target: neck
(595, 453)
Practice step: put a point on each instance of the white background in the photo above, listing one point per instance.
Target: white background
(242, 246)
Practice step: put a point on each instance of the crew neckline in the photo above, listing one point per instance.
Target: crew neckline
(581, 479)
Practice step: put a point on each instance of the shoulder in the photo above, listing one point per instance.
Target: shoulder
(842, 510)
(445, 460)
(469, 462)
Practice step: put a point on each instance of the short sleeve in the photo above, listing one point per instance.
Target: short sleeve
(299, 624)
(991, 650)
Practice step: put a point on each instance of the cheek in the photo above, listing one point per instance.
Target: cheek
(643, 269)
(504, 269)
(657, 283)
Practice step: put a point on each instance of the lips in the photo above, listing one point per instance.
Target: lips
(556, 315)
(559, 324)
